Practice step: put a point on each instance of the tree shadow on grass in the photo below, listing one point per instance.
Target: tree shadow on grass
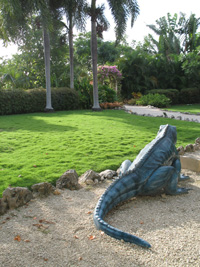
(37, 122)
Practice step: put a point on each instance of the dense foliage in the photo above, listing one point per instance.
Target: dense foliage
(84, 89)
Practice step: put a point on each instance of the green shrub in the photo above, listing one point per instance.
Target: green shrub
(155, 100)
(172, 94)
(190, 96)
(106, 94)
(85, 92)
(34, 100)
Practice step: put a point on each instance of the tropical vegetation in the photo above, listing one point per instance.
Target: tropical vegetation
(168, 65)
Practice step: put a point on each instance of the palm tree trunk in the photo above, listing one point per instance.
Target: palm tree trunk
(47, 70)
(96, 106)
(71, 52)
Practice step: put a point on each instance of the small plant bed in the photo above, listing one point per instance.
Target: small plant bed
(40, 147)
(190, 108)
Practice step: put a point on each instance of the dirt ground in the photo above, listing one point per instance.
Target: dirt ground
(59, 230)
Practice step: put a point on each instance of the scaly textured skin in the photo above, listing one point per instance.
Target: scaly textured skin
(156, 169)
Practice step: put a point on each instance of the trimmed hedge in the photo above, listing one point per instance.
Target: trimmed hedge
(190, 96)
(172, 94)
(34, 100)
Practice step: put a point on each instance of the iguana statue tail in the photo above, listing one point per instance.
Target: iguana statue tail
(122, 189)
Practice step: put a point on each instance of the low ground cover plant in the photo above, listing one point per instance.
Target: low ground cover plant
(172, 94)
(156, 100)
(191, 108)
(40, 147)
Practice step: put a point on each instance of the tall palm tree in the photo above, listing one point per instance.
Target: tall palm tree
(15, 14)
(121, 10)
(74, 11)
(47, 12)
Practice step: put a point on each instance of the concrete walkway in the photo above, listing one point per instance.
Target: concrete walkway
(156, 112)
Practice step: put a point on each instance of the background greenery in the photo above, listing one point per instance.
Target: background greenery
(169, 64)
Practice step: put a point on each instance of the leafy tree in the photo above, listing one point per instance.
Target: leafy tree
(176, 35)
(110, 52)
(191, 37)
(144, 71)
(191, 67)
(167, 30)
(82, 52)
(135, 71)
(30, 61)
(121, 10)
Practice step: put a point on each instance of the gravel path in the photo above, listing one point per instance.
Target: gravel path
(59, 231)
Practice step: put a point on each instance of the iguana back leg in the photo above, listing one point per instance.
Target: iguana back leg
(159, 180)
(165, 177)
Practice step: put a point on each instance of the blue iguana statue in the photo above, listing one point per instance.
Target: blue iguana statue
(155, 170)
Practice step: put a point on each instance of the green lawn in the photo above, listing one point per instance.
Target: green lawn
(191, 108)
(41, 147)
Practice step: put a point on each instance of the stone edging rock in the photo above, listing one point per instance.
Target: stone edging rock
(14, 197)
(190, 147)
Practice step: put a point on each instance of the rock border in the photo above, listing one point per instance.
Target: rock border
(14, 197)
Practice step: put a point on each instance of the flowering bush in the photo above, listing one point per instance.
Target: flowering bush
(109, 75)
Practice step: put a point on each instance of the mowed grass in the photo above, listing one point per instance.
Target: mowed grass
(191, 108)
(41, 147)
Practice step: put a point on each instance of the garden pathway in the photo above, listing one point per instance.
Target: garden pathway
(156, 112)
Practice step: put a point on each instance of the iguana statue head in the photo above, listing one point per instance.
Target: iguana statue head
(169, 131)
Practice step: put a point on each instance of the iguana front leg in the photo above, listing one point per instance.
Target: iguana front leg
(177, 165)
(124, 167)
